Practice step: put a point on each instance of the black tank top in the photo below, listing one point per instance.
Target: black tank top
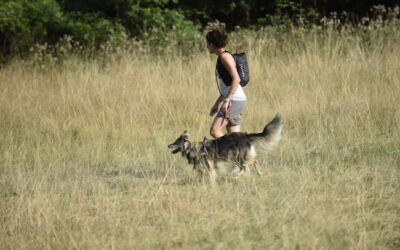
(223, 73)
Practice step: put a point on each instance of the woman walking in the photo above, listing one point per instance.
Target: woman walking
(231, 101)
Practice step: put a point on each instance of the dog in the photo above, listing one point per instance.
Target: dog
(237, 148)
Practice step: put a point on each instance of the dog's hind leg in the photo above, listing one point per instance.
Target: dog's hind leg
(251, 160)
(252, 163)
(244, 169)
(255, 163)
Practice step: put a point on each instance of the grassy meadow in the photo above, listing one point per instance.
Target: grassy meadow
(84, 162)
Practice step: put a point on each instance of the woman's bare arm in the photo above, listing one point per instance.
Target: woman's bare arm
(230, 65)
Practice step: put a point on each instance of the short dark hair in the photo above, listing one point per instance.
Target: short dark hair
(217, 37)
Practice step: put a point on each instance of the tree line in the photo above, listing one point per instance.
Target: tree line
(24, 23)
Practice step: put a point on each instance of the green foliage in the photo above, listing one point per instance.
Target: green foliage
(92, 27)
(154, 25)
(25, 22)
(158, 24)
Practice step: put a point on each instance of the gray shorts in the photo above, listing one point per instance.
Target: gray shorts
(235, 112)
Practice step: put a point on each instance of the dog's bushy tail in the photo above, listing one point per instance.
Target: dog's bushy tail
(271, 134)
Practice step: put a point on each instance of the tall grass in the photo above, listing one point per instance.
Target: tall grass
(84, 163)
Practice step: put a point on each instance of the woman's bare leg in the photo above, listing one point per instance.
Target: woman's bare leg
(217, 127)
(233, 128)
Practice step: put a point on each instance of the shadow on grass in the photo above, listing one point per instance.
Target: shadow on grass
(134, 172)
(193, 181)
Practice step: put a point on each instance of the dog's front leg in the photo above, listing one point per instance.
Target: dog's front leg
(207, 170)
(200, 176)
(200, 172)
(212, 175)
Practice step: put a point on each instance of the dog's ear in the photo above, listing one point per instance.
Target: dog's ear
(185, 135)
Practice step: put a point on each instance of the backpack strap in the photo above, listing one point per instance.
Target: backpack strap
(226, 51)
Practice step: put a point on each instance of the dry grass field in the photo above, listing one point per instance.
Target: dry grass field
(84, 162)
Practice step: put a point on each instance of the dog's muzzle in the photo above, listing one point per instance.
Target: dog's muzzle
(177, 149)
